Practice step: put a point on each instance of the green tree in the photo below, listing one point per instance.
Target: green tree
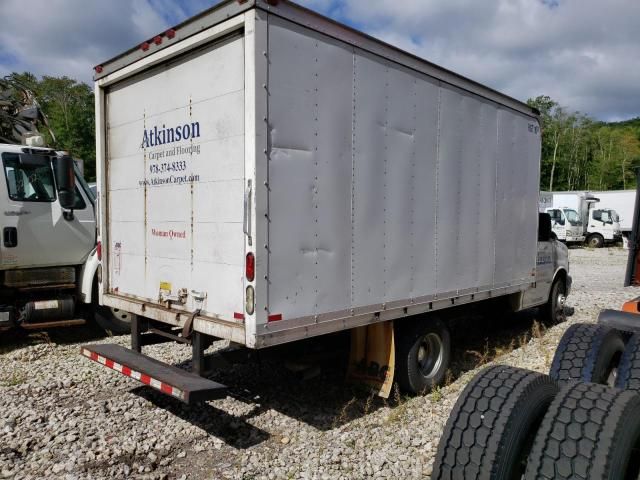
(69, 106)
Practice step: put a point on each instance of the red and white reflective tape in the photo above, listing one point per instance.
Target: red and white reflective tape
(141, 377)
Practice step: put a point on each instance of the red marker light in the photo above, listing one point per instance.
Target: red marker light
(99, 250)
(145, 46)
(170, 33)
(157, 39)
(98, 68)
(250, 267)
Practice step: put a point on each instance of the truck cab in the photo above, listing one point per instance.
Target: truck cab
(603, 227)
(566, 224)
(48, 258)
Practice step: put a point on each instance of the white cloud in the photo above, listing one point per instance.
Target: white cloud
(69, 37)
(580, 52)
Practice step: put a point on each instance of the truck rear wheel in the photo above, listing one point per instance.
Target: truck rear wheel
(595, 240)
(553, 310)
(493, 424)
(423, 352)
(588, 353)
(591, 432)
(628, 377)
(113, 320)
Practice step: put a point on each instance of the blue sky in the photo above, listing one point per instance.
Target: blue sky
(583, 53)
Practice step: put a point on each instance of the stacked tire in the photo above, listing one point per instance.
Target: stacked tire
(582, 421)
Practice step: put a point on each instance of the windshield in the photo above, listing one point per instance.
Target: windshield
(572, 217)
(28, 183)
(614, 216)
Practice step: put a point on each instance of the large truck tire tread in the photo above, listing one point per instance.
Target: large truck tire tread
(590, 432)
(587, 353)
(492, 425)
(628, 377)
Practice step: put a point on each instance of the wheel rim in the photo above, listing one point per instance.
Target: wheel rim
(561, 300)
(121, 315)
(430, 355)
(594, 242)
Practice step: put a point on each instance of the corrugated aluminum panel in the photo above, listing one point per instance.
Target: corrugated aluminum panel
(175, 205)
(386, 185)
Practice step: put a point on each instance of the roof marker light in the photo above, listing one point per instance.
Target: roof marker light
(157, 39)
(170, 33)
(145, 46)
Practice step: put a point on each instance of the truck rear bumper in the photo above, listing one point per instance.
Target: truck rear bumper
(214, 327)
(170, 380)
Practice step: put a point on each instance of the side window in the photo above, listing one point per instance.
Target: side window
(556, 216)
(80, 203)
(28, 183)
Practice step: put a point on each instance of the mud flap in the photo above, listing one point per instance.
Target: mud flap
(372, 358)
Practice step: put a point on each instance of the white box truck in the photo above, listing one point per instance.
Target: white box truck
(266, 175)
(582, 216)
(621, 203)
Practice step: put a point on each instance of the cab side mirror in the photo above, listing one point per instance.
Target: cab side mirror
(544, 227)
(65, 181)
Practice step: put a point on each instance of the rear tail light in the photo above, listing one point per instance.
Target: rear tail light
(249, 304)
(250, 267)
(99, 250)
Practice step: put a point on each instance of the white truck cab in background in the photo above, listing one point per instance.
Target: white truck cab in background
(578, 217)
(48, 258)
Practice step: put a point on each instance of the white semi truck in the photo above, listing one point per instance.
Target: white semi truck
(266, 175)
(582, 217)
(48, 258)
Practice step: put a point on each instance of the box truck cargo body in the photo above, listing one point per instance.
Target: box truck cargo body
(267, 175)
(622, 202)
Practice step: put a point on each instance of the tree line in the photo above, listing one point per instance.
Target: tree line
(578, 152)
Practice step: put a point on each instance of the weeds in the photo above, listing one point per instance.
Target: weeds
(14, 380)
(343, 417)
(436, 395)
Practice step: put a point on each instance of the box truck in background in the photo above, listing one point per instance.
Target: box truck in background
(266, 175)
(581, 217)
(621, 202)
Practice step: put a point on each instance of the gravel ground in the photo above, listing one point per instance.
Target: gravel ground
(61, 416)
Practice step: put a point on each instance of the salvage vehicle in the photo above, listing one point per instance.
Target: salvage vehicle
(48, 259)
(267, 175)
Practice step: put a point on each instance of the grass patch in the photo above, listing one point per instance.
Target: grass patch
(13, 380)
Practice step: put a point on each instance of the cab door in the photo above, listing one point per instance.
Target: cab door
(35, 233)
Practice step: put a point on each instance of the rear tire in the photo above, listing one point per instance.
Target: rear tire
(423, 353)
(629, 369)
(595, 240)
(113, 320)
(553, 310)
(591, 432)
(587, 353)
(492, 426)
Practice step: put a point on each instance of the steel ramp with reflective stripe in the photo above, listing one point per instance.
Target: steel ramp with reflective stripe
(167, 379)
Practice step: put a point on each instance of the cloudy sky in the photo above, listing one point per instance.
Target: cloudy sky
(583, 53)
